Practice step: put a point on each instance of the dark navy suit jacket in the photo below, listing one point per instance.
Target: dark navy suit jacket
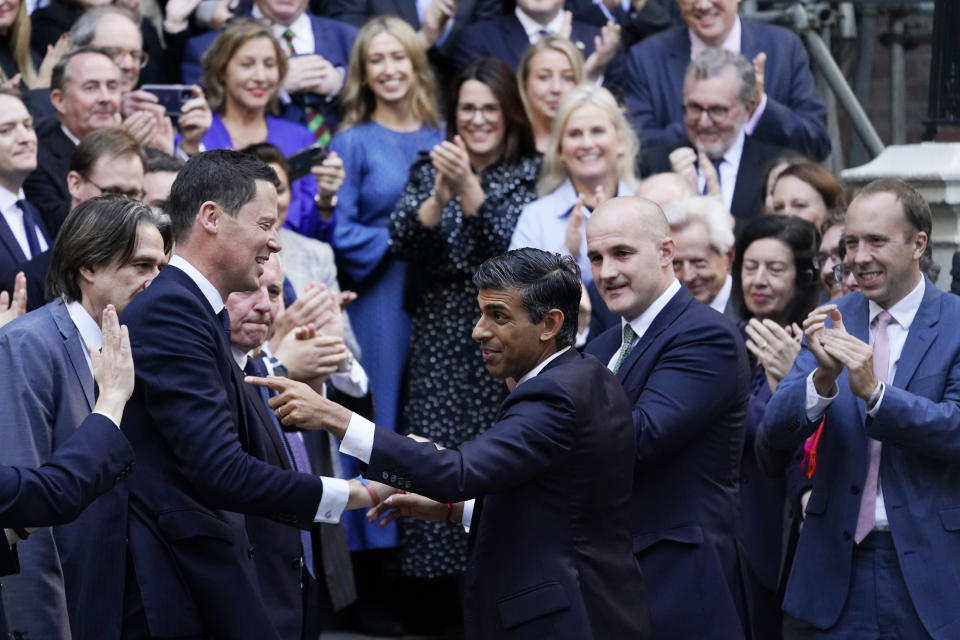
(333, 40)
(688, 381)
(11, 254)
(549, 553)
(187, 421)
(918, 423)
(795, 115)
(46, 187)
(89, 463)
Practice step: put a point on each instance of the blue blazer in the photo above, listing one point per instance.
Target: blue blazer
(687, 379)
(795, 115)
(188, 423)
(549, 552)
(76, 569)
(11, 254)
(88, 464)
(918, 423)
(333, 40)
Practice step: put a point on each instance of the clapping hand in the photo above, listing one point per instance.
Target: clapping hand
(604, 49)
(854, 354)
(12, 307)
(759, 66)
(829, 367)
(113, 366)
(775, 347)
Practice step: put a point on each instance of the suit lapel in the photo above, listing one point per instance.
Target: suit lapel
(922, 333)
(664, 319)
(515, 39)
(10, 243)
(748, 174)
(677, 61)
(407, 9)
(74, 347)
(269, 427)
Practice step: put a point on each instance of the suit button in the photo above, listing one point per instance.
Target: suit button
(297, 562)
(855, 490)
(385, 475)
(846, 536)
(250, 552)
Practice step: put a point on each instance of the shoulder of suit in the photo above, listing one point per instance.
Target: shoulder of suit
(335, 25)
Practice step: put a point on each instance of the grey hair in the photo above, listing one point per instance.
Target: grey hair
(84, 29)
(711, 62)
(708, 210)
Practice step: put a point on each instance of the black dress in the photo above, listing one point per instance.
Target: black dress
(450, 397)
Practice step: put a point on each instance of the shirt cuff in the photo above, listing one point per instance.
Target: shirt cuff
(754, 118)
(353, 381)
(11, 536)
(816, 404)
(467, 516)
(110, 418)
(358, 439)
(336, 492)
(876, 406)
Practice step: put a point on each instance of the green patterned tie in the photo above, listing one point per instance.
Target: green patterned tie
(315, 122)
(629, 335)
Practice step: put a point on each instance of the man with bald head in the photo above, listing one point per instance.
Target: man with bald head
(685, 371)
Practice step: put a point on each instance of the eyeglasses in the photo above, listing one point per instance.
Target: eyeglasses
(118, 53)
(490, 112)
(133, 194)
(841, 271)
(716, 113)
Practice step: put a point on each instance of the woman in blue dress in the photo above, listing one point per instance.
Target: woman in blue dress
(389, 117)
(242, 72)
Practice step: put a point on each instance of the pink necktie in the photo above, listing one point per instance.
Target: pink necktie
(868, 500)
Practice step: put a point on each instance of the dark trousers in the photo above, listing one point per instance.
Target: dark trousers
(878, 606)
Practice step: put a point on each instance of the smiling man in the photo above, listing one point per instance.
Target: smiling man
(684, 369)
(883, 367)
(548, 476)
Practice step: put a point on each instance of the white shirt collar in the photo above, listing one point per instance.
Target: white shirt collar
(719, 302)
(533, 28)
(206, 288)
(239, 356)
(905, 310)
(643, 321)
(74, 139)
(9, 198)
(537, 369)
(731, 43)
(301, 27)
(89, 329)
(733, 154)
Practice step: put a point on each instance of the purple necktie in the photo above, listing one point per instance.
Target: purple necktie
(868, 500)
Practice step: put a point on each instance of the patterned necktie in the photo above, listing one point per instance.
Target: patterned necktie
(30, 226)
(629, 335)
(315, 120)
(881, 367)
(296, 457)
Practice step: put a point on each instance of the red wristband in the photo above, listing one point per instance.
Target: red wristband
(449, 511)
(373, 494)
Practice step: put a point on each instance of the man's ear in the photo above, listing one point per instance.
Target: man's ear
(56, 99)
(668, 249)
(552, 322)
(210, 217)
(920, 242)
(86, 274)
(73, 184)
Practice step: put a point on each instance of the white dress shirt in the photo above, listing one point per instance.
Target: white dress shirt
(336, 492)
(643, 321)
(719, 302)
(534, 28)
(732, 43)
(903, 313)
(14, 217)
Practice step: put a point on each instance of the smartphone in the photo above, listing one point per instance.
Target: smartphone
(302, 160)
(171, 96)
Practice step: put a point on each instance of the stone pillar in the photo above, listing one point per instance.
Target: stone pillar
(934, 169)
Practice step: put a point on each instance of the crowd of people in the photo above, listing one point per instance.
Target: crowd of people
(244, 247)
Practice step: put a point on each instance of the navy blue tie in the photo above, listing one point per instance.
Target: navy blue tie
(31, 225)
(255, 367)
(224, 319)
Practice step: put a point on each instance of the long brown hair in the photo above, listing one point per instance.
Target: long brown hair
(358, 100)
(216, 58)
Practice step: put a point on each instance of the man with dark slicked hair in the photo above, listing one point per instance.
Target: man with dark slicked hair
(190, 568)
(548, 477)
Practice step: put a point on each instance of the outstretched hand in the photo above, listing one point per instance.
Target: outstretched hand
(113, 366)
(412, 505)
(297, 405)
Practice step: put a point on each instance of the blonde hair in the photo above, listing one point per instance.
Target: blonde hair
(548, 43)
(19, 47)
(216, 58)
(357, 99)
(554, 172)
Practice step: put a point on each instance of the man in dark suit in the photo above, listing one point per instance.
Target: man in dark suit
(89, 463)
(637, 18)
(22, 231)
(549, 547)
(85, 91)
(702, 232)
(787, 112)
(190, 569)
(717, 97)
(47, 389)
(291, 589)
(685, 371)
(508, 36)
(319, 53)
(878, 550)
